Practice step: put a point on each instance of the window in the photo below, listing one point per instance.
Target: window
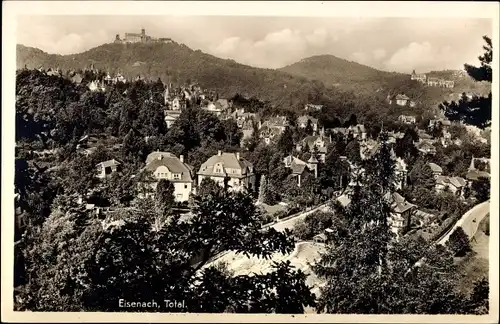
(177, 176)
(185, 186)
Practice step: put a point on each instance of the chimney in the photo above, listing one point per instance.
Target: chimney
(219, 153)
(181, 157)
(238, 156)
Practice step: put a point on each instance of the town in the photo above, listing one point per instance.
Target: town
(101, 155)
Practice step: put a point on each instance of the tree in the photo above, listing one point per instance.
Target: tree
(421, 175)
(475, 111)
(285, 143)
(263, 190)
(309, 128)
(481, 188)
(362, 257)
(352, 151)
(458, 243)
(164, 197)
(126, 256)
(312, 225)
(381, 167)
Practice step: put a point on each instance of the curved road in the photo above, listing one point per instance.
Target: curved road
(469, 221)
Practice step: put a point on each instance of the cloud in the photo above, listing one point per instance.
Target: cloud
(276, 48)
(422, 56)
(360, 57)
(379, 53)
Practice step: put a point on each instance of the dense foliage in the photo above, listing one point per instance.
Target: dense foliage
(476, 110)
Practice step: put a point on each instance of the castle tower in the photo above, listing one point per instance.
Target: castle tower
(143, 35)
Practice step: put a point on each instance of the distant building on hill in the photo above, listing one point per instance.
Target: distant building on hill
(141, 37)
(418, 77)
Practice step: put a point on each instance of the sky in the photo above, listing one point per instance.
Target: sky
(390, 44)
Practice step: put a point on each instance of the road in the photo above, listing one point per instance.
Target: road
(469, 221)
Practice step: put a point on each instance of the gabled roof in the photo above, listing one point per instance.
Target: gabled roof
(398, 202)
(304, 119)
(228, 160)
(171, 162)
(435, 168)
(476, 174)
(310, 140)
(222, 104)
(457, 182)
(109, 163)
(402, 97)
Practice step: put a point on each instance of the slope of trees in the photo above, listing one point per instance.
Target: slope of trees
(77, 262)
(366, 272)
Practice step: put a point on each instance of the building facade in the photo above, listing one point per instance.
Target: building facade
(231, 167)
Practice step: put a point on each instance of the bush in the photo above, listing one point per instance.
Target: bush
(458, 243)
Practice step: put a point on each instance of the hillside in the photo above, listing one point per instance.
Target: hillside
(334, 71)
(178, 63)
(362, 79)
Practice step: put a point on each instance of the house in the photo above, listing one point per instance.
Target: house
(213, 108)
(394, 136)
(106, 168)
(407, 119)
(176, 104)
(401, 212)
(357, 131)
(303, 121)
(239, 172)
(446, 139)
(96, 86)
(368, 148)
(413, 104)
(418, 77)
(402, 100)
(400, 172)
(426, 147)
(77, 78)
(436, 170)
(340, 130)
(170, 117)
(319, 238)
(475, 170)
(444, 123)
(165, 165)
(223, 105)
(311, 107)
(318, 142)
(269, 134)
(455, 184)
(119, 78)
(298, 167)
(432, 82)
(278, 122)
(247, 134)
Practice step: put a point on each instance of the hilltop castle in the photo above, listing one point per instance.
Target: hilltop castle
(139, 38)
(432, 82)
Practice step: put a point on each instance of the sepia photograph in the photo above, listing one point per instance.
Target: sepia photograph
(250, 161)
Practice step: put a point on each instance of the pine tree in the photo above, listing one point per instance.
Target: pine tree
(475, 111)
(263, 190)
